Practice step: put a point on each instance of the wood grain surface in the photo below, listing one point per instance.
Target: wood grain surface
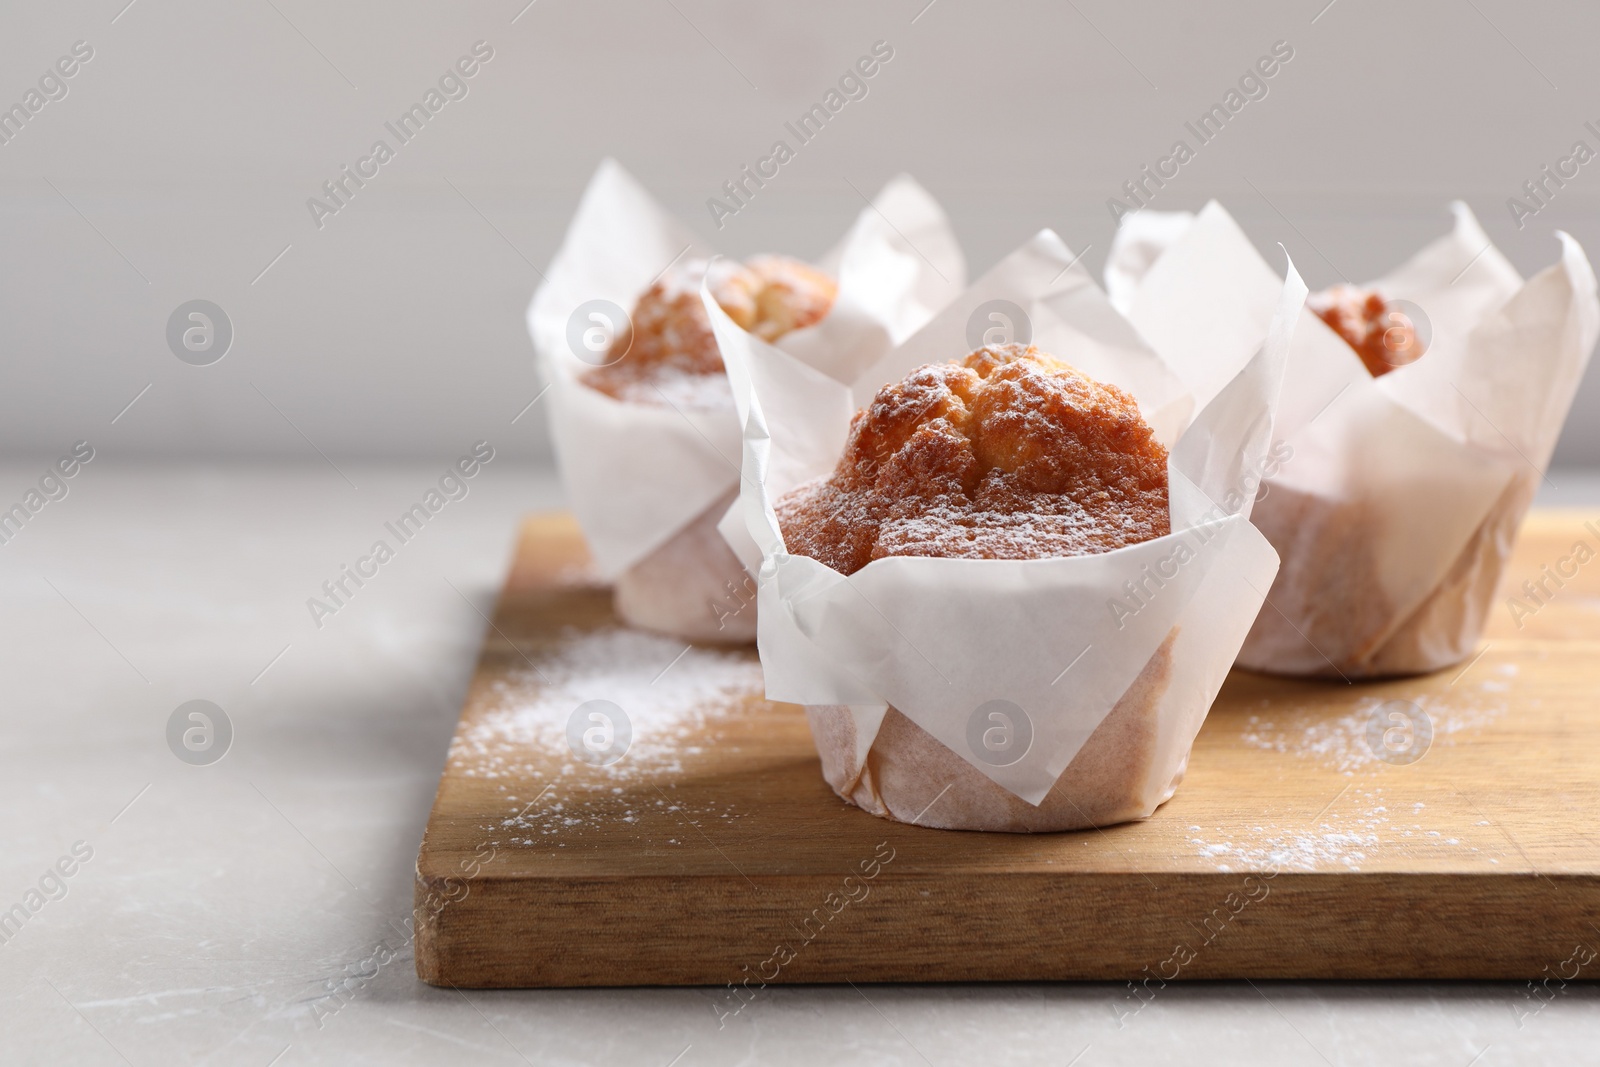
(1290, 851)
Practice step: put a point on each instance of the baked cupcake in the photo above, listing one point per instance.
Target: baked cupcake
(1007, 454)
(1401, 505)
(1381, 333)
(646, 434)
(1002, 588)
(1401, 476)
(667, 355)
(1332, 613)
(693, 585)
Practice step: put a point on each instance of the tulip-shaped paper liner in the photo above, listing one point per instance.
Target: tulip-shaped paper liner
(1058, 640)
(1395, 500)
(636, 474)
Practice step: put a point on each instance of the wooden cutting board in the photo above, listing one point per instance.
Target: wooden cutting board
(714, 853)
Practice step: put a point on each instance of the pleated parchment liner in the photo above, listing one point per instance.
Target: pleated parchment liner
(648, 483)
(1396, 500)
(904, 665)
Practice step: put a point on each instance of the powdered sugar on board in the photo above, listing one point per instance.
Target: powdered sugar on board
(1358, 823)
(667, 689)
(1355, 825)
(1342, 743)
(671, 693)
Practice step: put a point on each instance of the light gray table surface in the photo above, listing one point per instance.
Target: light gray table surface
(220, 903)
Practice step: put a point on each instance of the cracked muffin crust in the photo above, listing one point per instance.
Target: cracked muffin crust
(1007, 454)
(668, 354)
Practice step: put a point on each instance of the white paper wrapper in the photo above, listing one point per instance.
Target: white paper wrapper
(929, 642)
(1398, 498)
(638, 474)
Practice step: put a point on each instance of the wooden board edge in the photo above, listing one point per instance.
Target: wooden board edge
(919, 927)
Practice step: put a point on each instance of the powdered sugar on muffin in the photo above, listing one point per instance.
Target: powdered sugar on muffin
(1008, 454)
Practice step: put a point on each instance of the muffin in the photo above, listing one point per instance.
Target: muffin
(1008, 454)
(1333, 614)
(693, 585)
(646, 436)
(1341, 618)
(1381, 333)
(1343, 512)
(1393, 499)
(667, 354)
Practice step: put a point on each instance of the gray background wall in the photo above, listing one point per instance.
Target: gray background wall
(179, 164)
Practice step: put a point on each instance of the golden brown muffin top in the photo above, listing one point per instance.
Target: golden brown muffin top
(1008, 454)
(669, 354)
(1382, 334)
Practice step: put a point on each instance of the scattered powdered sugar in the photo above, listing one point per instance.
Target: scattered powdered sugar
(1334, 841)
(1342, 743)
(569, 818)
(667, 689)
(1313, 851)
(1355, 825)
